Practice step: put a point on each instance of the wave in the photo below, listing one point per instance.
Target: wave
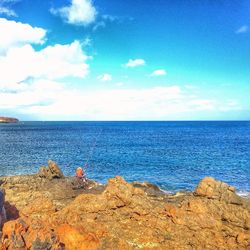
(243, 193)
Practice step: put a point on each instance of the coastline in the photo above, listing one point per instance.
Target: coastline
(8, 120)
(50, 209)
(171, 162)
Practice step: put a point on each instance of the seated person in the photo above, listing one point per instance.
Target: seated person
(80, 175)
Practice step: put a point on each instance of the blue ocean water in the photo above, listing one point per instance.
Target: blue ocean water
(173, 155)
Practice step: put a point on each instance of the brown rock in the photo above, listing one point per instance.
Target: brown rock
(50, 172)
(212, 189)
(76, 239)
(124, 216)
(24, 233)
(40, 208)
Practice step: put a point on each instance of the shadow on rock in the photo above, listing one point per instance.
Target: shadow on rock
(12, 212)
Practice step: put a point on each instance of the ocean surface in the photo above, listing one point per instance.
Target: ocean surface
(173, 155)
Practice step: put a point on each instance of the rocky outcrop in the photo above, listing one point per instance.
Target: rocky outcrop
(127, 216)
(213, 189)
(50, 172)
(20, 191)
(8, 120)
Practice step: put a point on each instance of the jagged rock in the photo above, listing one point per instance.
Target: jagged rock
(26, 234)
(50, 172)
(124, 216)
(213, 189)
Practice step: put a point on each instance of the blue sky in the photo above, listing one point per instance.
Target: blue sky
(125, 60)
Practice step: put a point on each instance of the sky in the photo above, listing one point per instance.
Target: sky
(125, 60)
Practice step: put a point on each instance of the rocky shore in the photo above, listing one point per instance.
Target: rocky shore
(8, 120)
(50, 211)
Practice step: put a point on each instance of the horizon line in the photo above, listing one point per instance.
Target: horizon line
(134, 120)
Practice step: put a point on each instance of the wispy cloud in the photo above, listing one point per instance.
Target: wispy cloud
(79, 12)
(6, 8)
(135, 63)
(159, 72)
(100, 24)
(104, 77)
(7, 11)
(110, 18)
(242, 29)
(104, 20)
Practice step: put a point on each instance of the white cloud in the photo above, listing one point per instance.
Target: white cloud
(104, 77)
(30, 77)
(79, 12)
(53, 100)
(52, 62)
(134, 63)
(242, 29)
(22, 67)
(17, 34)
(42, 92)
(159, 72)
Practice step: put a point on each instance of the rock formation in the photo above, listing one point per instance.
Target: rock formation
(8, 120)
(52, 213)
(50, 172)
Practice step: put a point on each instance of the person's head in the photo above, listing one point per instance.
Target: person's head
(79, 168)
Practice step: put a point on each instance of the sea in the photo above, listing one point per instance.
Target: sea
(173, 155)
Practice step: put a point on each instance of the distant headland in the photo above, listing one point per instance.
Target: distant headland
(8, 119)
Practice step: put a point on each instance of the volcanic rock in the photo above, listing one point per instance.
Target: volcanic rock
(213, 189)
(50, 172)
(124, 216)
